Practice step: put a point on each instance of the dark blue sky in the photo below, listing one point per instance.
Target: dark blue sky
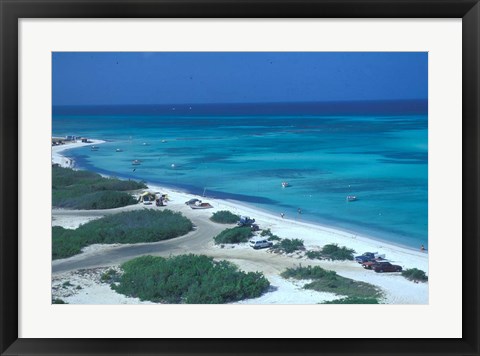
(112, 78)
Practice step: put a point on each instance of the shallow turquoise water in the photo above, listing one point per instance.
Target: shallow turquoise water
(382, 159)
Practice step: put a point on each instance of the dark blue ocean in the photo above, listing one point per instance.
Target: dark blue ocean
(377, 151)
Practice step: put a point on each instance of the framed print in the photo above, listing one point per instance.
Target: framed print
(303, 176)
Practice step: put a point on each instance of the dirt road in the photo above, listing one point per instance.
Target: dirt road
(199, 241)
(193, 242)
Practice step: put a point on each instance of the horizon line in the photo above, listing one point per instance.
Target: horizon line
(253, 102)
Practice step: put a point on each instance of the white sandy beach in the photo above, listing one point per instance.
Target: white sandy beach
(62, 160)
(397, 289)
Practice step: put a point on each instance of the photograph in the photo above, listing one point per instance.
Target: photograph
(239, 178)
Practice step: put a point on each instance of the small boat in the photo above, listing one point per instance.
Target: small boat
(135, 162)
(164, 141)
(118, 150)
(285, 184)
(351, 198)
(201, 206)
(94, 148)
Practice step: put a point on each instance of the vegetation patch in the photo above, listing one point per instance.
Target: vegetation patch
(330, 281)
(289, 245)
(58, 301)
(127, 227)
(110, 276)
(353, 300)
(234, 235)
(415, 274)
(314, 255)
(332, 252)
(87, 190)
(271, 237)
(188, 279)
(224, 217)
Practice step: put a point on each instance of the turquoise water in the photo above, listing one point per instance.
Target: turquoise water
(382, 159)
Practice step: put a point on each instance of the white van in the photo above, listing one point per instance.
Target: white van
(256, 244)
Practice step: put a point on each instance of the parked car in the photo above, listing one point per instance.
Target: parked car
(245, 221)
(257, 244)
(147, 201)
(369, 256)
(255, 227)
(369, 264)
(192, 201)
(386, 267)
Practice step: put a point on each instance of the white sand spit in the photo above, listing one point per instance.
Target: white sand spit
(62, 160)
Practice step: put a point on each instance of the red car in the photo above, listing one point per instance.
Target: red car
(369, 264)
(386, 267)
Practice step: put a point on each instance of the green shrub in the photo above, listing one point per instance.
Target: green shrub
(308, 272)
(266, 232)
(330, 281)
(274, 238)
(332, 252)
(353, 300)
(110, 276)
(314, 255)
(145, 225)
(415, 274)
(224, 217)
(87, 190)
(58, 301)
(289, 245)
(234, 235)
(188, 279)
(271, 236)
(97, 200)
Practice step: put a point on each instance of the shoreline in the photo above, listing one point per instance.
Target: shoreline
(254, 211)
(396, 288)
(328, 228)
(65, 161)
(313, 234)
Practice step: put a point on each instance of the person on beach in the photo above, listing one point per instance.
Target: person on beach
(299, 210)
(422, 248)
(282, 215)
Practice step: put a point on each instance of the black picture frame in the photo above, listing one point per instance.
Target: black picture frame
(13, 10)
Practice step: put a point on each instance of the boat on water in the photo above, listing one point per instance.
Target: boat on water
(351, 198)
(94, 148)
(118, 150)
(135, 162)
(285, 184)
